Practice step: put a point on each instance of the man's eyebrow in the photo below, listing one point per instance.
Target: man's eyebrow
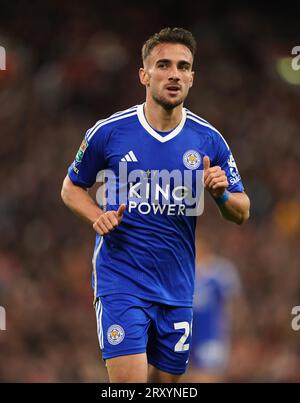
(185, 62)
(168, 61)
(163, 61)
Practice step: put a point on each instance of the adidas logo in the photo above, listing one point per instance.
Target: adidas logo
(129, 157)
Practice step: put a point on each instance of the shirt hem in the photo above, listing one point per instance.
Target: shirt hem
(147, 297)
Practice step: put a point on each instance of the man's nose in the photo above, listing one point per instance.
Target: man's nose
(174, 74)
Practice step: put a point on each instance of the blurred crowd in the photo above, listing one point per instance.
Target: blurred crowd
(70, 64)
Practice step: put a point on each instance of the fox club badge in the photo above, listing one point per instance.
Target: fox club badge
(191, 159)
(115, 334)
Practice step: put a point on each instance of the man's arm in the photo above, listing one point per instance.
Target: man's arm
(234, 207)
(79, 201)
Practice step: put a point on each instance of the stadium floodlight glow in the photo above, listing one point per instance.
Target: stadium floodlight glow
(2, 58)
(284, 67)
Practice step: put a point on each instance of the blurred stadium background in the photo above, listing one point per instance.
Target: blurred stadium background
(71, 63)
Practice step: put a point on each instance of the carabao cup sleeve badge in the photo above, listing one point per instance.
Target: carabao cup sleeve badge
(83, 146)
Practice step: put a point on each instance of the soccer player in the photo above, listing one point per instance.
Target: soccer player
(217, 292)
(144, 258)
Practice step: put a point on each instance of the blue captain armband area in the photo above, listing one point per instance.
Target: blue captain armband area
(222, 199)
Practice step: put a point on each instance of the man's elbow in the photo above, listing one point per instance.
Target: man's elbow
(63, 195)
(65, 191)
(245, 214)
(244, 217)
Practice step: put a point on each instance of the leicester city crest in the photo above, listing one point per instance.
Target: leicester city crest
(192, 159)
(115, 334)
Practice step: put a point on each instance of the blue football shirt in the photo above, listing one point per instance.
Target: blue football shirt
(151, 254)
(217, 282)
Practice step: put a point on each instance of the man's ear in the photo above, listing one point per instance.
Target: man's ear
(192, 79)
(144, 77)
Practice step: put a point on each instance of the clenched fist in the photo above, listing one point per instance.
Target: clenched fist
(215, 180)
(108, 221)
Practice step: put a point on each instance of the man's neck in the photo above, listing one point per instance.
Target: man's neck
(161, 119)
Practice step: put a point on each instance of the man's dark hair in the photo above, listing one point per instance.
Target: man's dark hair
(169, 35)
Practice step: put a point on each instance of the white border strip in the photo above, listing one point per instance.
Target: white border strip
(209, 126)
(150, 130)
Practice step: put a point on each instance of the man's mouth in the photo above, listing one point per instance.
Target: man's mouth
(173, 88)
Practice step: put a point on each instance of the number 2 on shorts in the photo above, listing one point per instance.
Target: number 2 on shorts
(180, 346)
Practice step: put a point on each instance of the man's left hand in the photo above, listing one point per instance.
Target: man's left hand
(215, 180)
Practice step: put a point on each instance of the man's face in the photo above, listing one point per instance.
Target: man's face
(167, 74)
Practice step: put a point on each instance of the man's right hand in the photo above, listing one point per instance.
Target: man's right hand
(108, 221)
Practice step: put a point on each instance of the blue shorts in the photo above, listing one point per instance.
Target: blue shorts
(129, 325)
